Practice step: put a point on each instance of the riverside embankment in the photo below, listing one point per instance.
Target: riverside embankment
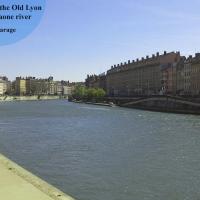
(94, 103)
(19, 184)
(28, 98)
(159, 103)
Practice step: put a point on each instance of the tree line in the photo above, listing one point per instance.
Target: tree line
(82, 92)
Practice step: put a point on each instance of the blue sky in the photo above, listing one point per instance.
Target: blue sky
(80, 37)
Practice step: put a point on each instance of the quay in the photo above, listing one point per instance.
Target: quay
(17, 183)
(29, 98)
(163, 103)
(158, 103)
(109, 104)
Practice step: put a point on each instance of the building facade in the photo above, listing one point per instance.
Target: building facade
(187, 76)
(20, 86)
(142, 77)
(166, 74)
(5, 86)
(195, 75)
(95, 81)
(34, 86)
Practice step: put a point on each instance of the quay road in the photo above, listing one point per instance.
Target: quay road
(18, 184)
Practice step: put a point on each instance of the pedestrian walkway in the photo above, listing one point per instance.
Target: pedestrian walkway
(17, 183)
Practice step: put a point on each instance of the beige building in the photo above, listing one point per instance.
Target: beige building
(180, 77)
(187, 76)
(3, 87)
(21, 86)
(31, 86)
(58, 88)
(67, 90)
(195, 75)
(38, 86)
(191, 71)
(167, 78)
(52, 86)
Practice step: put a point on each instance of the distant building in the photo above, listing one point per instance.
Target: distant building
(95, 81)
(67, 90)
(30, 85)
(187, 75)
(180, 76)
(176, 78)
(21, 86)
(39, 86)
(169, 78)
(59, 88)
(5, 85)
(33, 86)
(52, 86)
(195, 75)
(68, 87)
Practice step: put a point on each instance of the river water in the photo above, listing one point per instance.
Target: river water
(95, 153)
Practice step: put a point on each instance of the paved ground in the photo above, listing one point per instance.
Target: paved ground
(18, 184)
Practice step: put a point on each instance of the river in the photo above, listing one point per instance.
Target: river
(94, 153)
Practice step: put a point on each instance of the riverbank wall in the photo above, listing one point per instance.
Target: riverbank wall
(172, 104)
(18, 183)
(160, 103)
(28, 98)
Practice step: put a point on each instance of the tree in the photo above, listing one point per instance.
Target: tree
(79, 91)
(100, 93)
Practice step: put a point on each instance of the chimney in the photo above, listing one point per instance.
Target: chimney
(157, 54)
(125, 63)
(197, 55)
(142, 58)
(137, 60)
(190, 57)
(133, 61)
(147, 57)
(165, 53)
(121, 64)
(114, 66)
(153, 55)
(129, 62)
(111, 67)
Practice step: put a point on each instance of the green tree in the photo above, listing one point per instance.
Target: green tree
(97, 93)
(80, 91)
(100, 93)
(91, 93)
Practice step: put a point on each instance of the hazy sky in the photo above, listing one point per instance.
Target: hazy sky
(80, 37)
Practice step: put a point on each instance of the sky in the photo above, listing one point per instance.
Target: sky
(80, 37)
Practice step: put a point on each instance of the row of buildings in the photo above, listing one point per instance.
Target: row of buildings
(33, 86)
(159, 74)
